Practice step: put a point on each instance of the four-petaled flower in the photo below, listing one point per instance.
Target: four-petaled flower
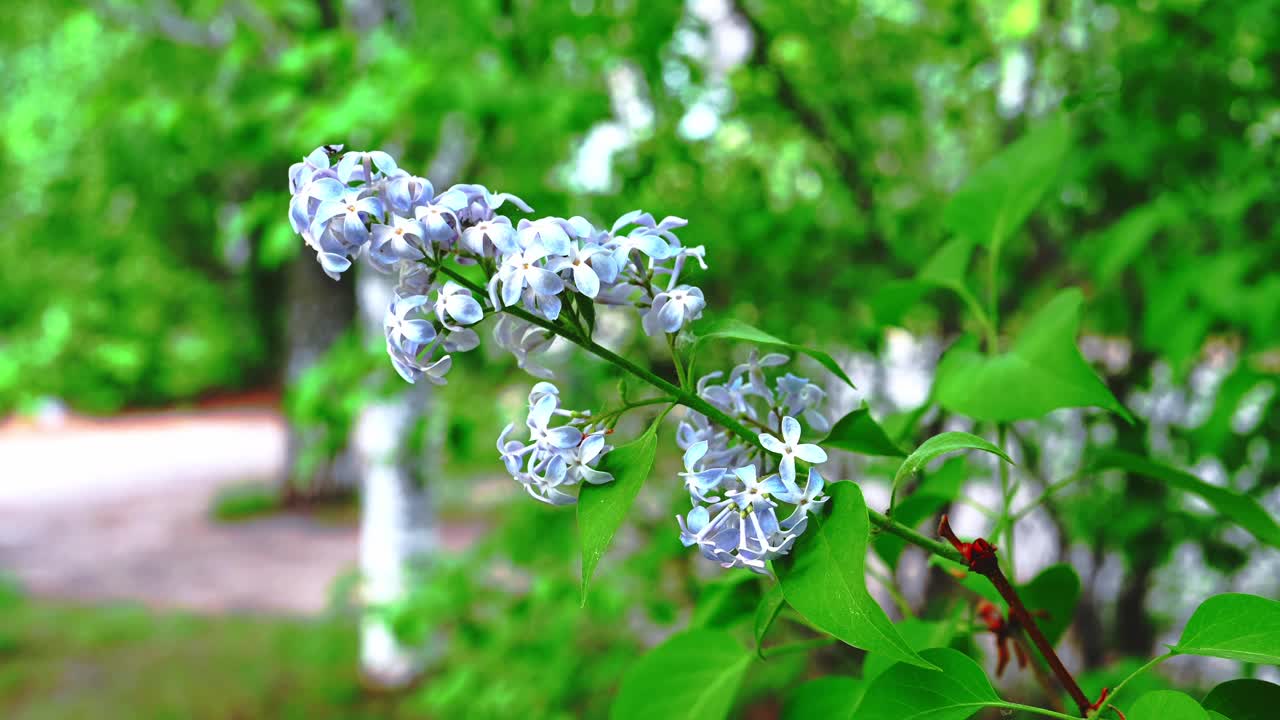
(791, 449)
(578, 261)
(455, 302)
(401, 329)
(522, 270)
(674, 309)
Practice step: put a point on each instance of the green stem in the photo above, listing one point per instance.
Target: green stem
(675, 359)
(891, 587)
(693, 402)
(801, 646)
(1007, 491)
(1111, 697)
(1049, 492)
(617, 412)
(893, 527)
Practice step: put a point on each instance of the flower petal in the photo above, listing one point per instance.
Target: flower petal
(811, 453)
(790, 430)
(772, 444)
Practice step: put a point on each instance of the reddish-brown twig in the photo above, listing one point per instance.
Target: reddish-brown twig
(980, 556)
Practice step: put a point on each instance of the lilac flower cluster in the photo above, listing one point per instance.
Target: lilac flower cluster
(555, 459)
(365, 204)
(346, 205)
(734, 488)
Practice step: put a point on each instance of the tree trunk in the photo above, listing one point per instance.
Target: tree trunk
(397, 518)
(319, 311)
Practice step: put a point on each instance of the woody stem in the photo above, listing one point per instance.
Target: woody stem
(1029, 626)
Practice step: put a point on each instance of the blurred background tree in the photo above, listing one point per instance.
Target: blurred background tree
(811, 144)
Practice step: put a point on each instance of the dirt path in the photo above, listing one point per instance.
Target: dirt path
(118, 510)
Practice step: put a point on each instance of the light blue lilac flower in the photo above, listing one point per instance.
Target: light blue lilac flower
(454, 302)
(409, 192)
(674, 309)
(701, 482)
(402, 331)
(556, 458)
(753, 369)
(346, 216)
(351, 168)
(549, 233)
(489, 238)
(578, 261)
(524, 341)
(440, 220)
(791, 449)
(742, 528)
(523, 271)
(807, 500)
(402, 238)
(799, 397)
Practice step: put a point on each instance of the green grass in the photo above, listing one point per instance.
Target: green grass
(60, 661)
(245, 502)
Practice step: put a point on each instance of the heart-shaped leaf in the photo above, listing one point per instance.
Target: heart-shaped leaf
(602, 508)
(694, 675)
(1240, 509)
(1043, 371)
(822, 578)
(1244, 700)
(997, 198)
(1234, 626)
(858, 432)
(731, 329)
(905, 691)
(1166, 705)
(941, 445)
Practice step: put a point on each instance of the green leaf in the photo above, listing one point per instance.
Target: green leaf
(766, 612)
(948, 267)
(919, 634)
(694, 675)
(999, 196)
(858, 432)
(1240, 509)
(906, 692)
(1234, 626)
(602, 508)
(724, 601)
(1043, 371)
(1244, 700)
(941, 445)
(732, 329)
(833, 697)
(1166, 705)
(1124, 241)
(1056, 590)
(822, 578)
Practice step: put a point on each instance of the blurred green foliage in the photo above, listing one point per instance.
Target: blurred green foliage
(59, 662)
(148, 181)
